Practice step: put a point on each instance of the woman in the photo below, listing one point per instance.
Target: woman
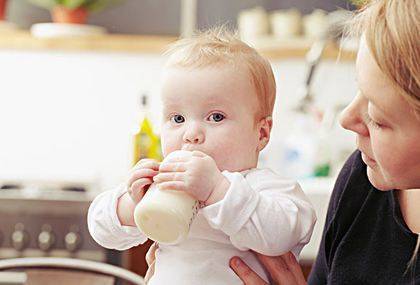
(371, 235)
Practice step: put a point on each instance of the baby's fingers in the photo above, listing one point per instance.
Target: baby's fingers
(147, 163)
(172, 167)
(141, 173)
(169, 176)
(172, 185)
(137, 189)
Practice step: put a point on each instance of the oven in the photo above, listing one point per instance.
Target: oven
(44, 218)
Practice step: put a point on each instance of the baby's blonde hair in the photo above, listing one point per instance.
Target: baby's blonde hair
(221, 46)
(392, 32)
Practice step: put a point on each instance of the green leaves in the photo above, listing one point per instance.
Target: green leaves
(47, 4)
(359, 3)
(90, 5)
(97, 5)
(72, 4)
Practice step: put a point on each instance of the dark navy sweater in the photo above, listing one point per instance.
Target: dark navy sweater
(365, 238)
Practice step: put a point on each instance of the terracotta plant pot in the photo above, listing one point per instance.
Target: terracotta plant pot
(3, 4)
(64, 15)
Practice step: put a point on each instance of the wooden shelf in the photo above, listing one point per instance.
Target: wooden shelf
(110, 43)
(273, 49)
(297, 48)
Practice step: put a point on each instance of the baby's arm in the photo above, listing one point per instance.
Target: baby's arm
(110, 216)
(104, 225)
(263, 213)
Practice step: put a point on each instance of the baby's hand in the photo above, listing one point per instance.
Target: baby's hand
(197, 175)
(141, 177)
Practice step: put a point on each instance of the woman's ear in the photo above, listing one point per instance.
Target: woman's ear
(264, 129)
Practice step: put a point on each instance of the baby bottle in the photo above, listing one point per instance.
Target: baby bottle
(165, 216)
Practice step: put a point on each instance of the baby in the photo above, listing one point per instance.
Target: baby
(218, 96)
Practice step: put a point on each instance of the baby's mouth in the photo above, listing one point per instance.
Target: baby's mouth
(189, 147)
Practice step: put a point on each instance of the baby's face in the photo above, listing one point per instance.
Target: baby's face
(211, 109)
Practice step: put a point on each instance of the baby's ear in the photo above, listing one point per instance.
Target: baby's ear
(264, 129)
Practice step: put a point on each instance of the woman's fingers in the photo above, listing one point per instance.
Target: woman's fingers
(295, 268)
(277, 268)
(246, 274)
(282, 269)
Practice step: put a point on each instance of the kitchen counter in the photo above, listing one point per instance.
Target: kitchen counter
(318, 191)
(12, 278)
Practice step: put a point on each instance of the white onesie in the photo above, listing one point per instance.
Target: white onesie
(260, 212)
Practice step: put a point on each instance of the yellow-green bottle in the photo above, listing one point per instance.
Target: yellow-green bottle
(146, 144)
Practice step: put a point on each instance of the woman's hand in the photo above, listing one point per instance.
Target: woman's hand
(284, 270)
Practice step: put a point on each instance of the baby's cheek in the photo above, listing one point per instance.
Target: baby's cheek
(231, 155)
(220, 152)
(168, 144)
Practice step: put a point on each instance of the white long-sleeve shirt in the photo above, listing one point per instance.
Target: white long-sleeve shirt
(260, 212)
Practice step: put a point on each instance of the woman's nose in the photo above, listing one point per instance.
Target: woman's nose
(352, 116)
(194, 134)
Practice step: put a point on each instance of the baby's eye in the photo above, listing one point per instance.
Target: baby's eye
(178, 119)
(217, 117)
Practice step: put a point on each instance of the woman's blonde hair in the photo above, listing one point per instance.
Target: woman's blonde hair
(221, 46)
(392, 32)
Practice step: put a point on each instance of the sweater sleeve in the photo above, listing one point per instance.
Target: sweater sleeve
(264, 213)
(104, 225)
(320, 270)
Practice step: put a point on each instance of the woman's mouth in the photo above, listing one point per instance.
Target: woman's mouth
(369, 161)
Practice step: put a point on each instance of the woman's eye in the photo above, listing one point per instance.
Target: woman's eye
(178, 119)
(373, 123)
(217, 117)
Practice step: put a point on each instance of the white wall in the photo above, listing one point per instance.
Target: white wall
(68, 115)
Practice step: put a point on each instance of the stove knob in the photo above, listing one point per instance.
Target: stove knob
(46, 238)
(73, 241)
(20, 237)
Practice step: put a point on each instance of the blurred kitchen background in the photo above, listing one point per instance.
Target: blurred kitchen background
(71, 98)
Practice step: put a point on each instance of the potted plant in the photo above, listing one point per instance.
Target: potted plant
(359, 3)
(72, 11)
(3, 9)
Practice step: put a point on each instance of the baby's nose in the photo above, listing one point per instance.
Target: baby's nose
(194, 135)
(194, 139)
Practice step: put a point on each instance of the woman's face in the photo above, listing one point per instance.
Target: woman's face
(388, 131)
